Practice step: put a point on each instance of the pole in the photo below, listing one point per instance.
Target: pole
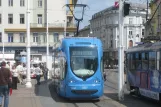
(121, 54)
(77, 29)
(3, 44)
(147, 11)
(28, 80)
(65, 21)
(47, 42)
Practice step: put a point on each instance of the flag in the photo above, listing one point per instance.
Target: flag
(116, 4)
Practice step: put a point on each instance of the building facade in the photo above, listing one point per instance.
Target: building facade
(155, 23)
(13, 20)
(105, 25)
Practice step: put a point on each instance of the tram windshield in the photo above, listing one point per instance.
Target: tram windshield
(83, 61)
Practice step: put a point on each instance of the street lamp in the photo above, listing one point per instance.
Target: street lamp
(47, 41)
(28, 80)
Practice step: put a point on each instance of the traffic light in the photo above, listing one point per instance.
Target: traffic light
(126, 9)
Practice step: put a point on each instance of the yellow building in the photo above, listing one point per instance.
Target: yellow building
(155, 22)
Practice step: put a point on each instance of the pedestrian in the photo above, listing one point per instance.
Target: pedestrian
(14, 77)
(8, 65)
(45, 71)
(104, 75)
(24, 72)
(38, 73)
(20, 70)
(5, 84)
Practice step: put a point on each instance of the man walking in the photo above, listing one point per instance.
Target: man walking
(5, 83)
(45, 71)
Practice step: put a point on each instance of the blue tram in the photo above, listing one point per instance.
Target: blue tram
(79, 68)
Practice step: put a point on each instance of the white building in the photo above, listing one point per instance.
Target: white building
(104, 25)
(13, 19)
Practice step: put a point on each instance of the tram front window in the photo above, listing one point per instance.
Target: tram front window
(83, 61)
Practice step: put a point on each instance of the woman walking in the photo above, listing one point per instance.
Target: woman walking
(14, 77)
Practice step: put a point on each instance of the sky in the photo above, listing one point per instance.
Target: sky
(96, 6)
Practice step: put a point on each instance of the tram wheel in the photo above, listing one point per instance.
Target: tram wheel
(57, 90)
(137, 92)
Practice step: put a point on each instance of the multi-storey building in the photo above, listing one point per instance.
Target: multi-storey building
(105, 25)
(13, 15)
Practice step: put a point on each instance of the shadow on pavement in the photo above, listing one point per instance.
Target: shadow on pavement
(133, 101)
(46, 89)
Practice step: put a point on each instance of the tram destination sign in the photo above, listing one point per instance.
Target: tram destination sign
(82, 53)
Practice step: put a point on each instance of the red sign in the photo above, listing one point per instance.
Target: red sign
(116, 4)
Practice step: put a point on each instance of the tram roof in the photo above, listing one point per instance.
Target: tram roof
(81, 40)
(145, 47)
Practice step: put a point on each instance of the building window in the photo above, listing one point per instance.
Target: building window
(130, 20)
(143, 21)
(67, 34)
(10, 2)
(39, 3)
(22, 37)
(0, 2)
(10, 37)
(111, 44)
(0, 18)
(35, 37)
(56, 37)
(10, 18)
(22, 3)
(130, 31)
(44, 38)
(143, 32)
(0, 36)
(22, 18)
(39, 17)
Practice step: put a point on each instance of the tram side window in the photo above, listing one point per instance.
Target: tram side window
(152, 59)
(128, 61)
(145, 61)
(138, 60)
(160, 61)
(132, 61)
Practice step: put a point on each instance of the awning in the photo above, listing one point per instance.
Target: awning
(7, 56)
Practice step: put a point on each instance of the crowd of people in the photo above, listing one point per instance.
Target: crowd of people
(11, 75)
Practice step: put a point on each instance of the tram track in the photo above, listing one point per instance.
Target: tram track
(90, 104)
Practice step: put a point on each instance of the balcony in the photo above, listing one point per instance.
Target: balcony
(52, 25)
(18, 44)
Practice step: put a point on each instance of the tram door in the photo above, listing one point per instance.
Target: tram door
(145, 70)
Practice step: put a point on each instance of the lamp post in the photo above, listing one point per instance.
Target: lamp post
(47, 40)
(28, 80)
(121, 53)
(65, 21)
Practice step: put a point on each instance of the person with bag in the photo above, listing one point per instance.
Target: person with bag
(5, 84)
(14, 77)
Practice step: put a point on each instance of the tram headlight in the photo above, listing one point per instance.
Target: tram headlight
(71, 80)
(96, 80)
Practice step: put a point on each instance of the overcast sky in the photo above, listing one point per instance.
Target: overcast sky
(96, 6)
